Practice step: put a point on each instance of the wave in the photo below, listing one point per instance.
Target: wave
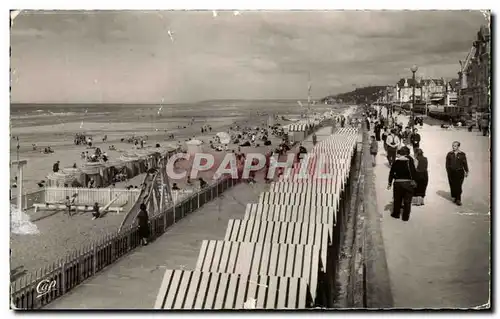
(38, 114)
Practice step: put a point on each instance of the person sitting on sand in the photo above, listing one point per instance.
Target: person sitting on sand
(112, 148)
(96, 211)
(175, 187)
(82, 156)
(55, 167)
(74, 165)
(34, 146)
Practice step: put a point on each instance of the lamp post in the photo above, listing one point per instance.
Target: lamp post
(414, 70)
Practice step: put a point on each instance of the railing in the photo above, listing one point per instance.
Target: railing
(36, 290)
(89, 196)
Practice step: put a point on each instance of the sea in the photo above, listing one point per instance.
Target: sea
(28, 115)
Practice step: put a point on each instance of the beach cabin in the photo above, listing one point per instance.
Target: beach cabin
(93, 171)
(297, 132)
(131, 161)
(72, 177)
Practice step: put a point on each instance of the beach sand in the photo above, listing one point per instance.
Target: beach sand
(61, 235)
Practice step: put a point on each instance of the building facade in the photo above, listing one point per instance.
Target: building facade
(404, 89)
(474, 75)
(426, 90)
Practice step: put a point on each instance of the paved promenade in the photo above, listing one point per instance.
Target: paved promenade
(441, 257)
(133, 282)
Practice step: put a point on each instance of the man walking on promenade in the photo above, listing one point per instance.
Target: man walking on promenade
(415, 140)
(392, 142)
(457, 169)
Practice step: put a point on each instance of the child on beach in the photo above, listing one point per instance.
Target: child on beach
(96, 211)
(373, 150)
(68, 203)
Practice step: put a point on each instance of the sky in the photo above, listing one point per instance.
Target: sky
(129, 56)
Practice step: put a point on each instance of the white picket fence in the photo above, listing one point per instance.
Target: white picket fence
(89, 196)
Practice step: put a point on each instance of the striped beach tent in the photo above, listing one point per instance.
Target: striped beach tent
(301, 199)
(314, 173)
(319, 168)
(298, 178)
(268, 259)
(256, 231)
(298, 127)
(311, 187)
(292, 213)
(185, 289)
(347, 130)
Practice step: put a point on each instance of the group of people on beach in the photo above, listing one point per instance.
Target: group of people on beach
(83, 139)
(409, 175)
(98, 156)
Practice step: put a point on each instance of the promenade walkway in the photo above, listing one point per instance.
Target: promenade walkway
(441, 257)
(133, 282)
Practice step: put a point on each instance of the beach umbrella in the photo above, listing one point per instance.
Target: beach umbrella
(224, 137)
(194, 146)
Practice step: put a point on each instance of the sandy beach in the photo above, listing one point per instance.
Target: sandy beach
(60, 235)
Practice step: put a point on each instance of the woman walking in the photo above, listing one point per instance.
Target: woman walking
(377, 130)
(402, 173)
(422, 177)
(384, 138)
(143, 220)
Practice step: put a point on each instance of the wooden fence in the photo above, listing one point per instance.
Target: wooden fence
(89, 196)
(35, 290)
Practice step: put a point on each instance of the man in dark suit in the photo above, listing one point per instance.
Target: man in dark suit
(458, 170)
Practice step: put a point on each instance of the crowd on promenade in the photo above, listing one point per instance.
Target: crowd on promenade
(409, 175)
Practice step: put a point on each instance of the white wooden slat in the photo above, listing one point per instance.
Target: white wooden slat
(272, 259)
(265, 289)
(301, 199)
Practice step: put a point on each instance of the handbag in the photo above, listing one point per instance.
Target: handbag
(412, 182)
